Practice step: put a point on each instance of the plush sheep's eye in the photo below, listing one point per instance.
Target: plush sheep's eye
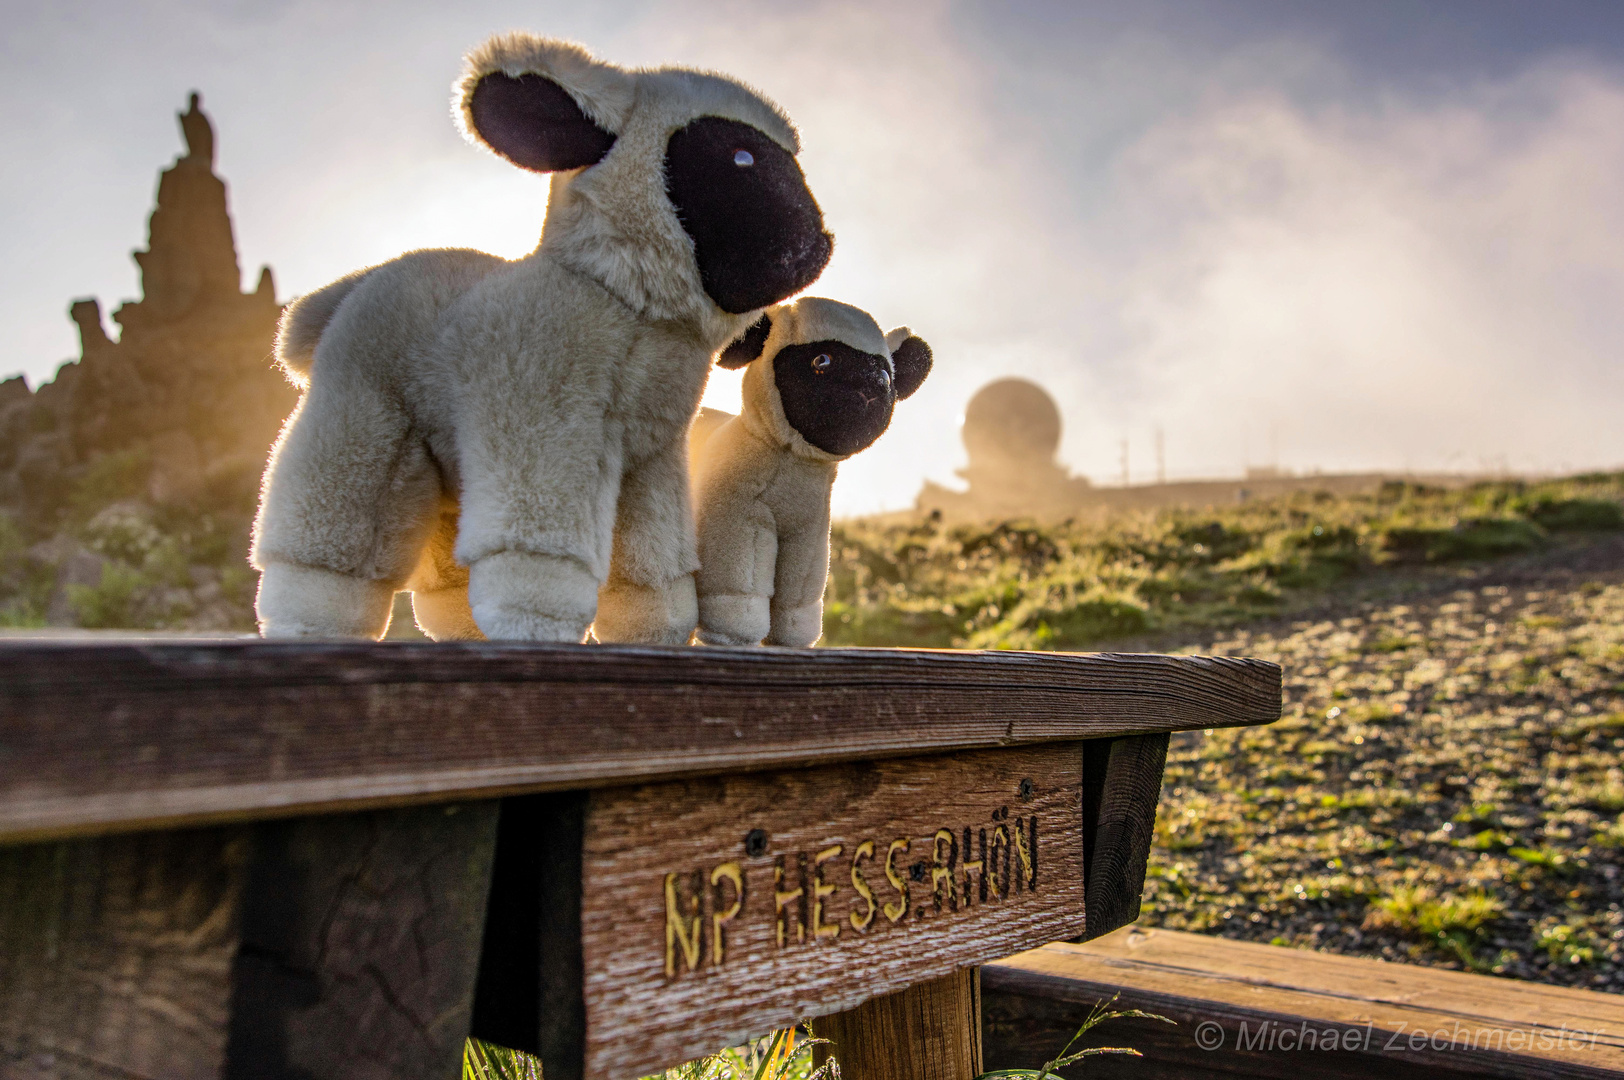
(742, 158)
(821, 362)
(885, 378)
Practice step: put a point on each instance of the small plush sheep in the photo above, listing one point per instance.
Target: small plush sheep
(505, 438)
(821, 384)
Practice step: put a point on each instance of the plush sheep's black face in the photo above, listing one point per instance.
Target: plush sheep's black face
(758, 233)
(838, 398)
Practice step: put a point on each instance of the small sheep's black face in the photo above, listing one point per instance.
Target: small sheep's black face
(838, 398)
(758, 233)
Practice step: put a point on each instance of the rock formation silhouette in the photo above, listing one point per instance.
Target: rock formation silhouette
(1011, 432)
(187, 393)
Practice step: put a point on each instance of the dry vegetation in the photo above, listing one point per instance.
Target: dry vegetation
(1446, 784)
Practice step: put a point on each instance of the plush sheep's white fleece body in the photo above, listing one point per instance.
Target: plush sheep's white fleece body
(762, 497)
(545, 400)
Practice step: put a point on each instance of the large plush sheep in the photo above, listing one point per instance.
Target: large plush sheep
(821, 385)
(547, 399)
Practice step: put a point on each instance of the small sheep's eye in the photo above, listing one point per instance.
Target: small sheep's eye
(741, 158)
(885, 377)
(821, 362)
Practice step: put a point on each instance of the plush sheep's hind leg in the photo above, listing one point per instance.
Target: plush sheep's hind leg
(629, 612)
(303, 601)
(350, 497)
(439, 587)
(650, 596)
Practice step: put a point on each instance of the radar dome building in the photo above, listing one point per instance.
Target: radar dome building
(1012, 432)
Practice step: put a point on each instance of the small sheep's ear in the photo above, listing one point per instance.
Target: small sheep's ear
(545, 105)
(911, 358)
(747, 346)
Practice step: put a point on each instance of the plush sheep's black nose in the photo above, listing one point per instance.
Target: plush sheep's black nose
(839, 398)
(757, 231)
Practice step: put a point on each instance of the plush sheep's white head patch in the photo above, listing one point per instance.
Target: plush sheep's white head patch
(676, 189)
(823, 378)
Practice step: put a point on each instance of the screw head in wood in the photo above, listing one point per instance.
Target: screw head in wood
(755, 843)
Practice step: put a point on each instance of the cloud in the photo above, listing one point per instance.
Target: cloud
(1432, 286)
(1226, 240)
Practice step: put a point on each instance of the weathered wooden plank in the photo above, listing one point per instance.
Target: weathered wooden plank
(716, 909)
(283, 728)
(931, 1031)
(360, 939)
(1122, 785)
(1385, 1019)
(115, 954)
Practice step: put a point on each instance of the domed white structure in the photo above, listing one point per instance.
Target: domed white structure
(1012, 430)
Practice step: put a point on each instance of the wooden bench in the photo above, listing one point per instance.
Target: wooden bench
(263, 859)
(1262, 1011)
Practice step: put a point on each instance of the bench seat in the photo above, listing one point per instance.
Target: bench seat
(1267, 1011)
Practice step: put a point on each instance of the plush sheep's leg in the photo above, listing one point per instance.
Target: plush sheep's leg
(303, 601)
(733, 619)
(797, 626)
(738, 550)
(350, 498)
(650, 596)
(439, 586)
(799, 579)
(647, 613)
(518, 596)
(446, 614)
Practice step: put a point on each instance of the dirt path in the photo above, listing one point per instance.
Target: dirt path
(1445, 787)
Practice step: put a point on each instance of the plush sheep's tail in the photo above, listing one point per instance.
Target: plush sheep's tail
(302, 325)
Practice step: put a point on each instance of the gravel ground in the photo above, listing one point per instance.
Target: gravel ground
(1445, 786)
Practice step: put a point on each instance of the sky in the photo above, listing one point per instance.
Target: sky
(1382, 235)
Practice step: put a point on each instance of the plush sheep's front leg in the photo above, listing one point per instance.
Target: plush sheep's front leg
(797, 604)
(538, 506)
(801, 499)
(650, 595)
(522, 596)
(738, 546)
(802, 573)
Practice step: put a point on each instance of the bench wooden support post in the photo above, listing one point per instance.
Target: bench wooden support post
(1122, 781)
(529, 994)
(359, 942)
(115, 954)
(931, 1031)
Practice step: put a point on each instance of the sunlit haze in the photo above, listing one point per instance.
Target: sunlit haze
(1388, 239)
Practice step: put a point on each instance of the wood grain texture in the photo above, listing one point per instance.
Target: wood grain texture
(115, 955)
(1468, 1025)
(88, 732)
(1122, 785)
(360, 940)
(931, 1031)
(663, 866)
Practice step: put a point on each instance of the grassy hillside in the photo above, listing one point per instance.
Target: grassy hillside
(1022, 586)
(1446, 785)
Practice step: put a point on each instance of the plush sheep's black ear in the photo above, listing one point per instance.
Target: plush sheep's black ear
(534, 123)
(748, 345)
(912, 360)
